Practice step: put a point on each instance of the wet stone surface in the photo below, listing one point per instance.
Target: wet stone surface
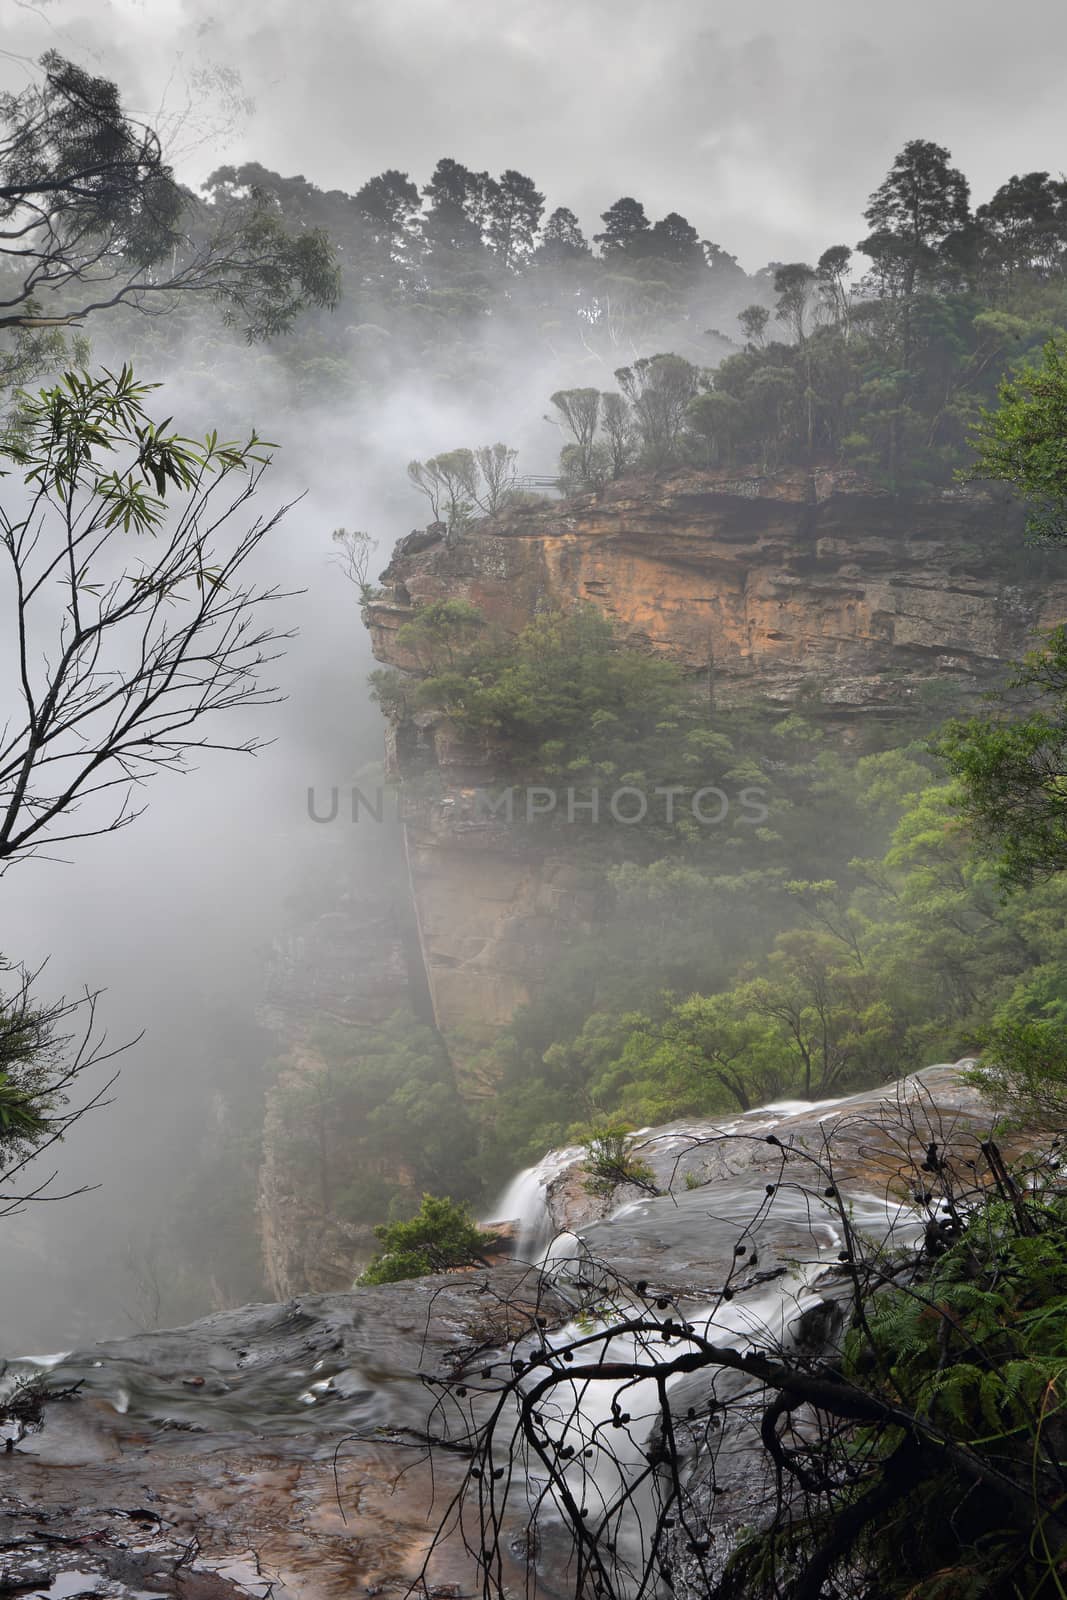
(282, 1440)
(284, 1448)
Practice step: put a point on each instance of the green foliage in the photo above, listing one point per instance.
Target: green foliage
(897, 382)
(95, 219)
(441, 1237)
(65, 436)
(610, 1163)
(1023, 442)
(713, 992)
(565, 696)
(578, 411)
(440, 636)
(378, 1119)
(38, 1070)
(1024, 1062)
(1012, 769)
(976, 1350)
(22, 1115)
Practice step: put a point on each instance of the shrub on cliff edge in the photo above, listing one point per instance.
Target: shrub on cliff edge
(439, 1238)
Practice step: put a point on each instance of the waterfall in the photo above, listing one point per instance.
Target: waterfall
(612, 1480)
(525, 1202)
(607, 1429)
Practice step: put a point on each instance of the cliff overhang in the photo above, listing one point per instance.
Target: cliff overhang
(797, 586)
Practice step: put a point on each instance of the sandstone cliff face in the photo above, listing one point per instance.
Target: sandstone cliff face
(811, 587)
(778, 584)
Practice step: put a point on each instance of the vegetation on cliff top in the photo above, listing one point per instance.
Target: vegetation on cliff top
(722, 981)
(885, 362)
(922, 1454)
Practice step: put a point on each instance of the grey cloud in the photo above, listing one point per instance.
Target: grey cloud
(767, 126)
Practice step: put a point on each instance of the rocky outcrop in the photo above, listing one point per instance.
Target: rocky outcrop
(280, 1447)
(309, 1446)
(810, 588)
(494, 905)
(801, 583)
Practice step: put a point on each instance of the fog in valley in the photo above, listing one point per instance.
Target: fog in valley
(176, 918)
(703, 1171)
(766, 133)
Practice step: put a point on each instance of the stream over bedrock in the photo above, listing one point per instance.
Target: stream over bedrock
(290, 1440)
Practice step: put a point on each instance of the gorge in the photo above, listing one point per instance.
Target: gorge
(492, 1149)
(814, 591)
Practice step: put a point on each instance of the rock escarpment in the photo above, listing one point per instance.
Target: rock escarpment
(801, 583)
(803, 589)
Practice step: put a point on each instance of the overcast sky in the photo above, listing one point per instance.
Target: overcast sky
(766, 125)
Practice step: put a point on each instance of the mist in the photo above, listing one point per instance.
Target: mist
(568, 879)
(764, 130)
(768, 136)
(175, 917)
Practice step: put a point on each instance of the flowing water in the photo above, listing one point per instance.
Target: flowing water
(298, 1432)
(525, 1202)
(606, 1427)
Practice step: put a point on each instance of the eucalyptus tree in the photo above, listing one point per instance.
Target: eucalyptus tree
(626, 228)
(578, 411)
(131, 631)
(831, 274)
(134, 625)
(659, 390)
(497, 480)
(450, 483)
(389, 205)
(920, 203)
(92, 216)
(675, 240)
(754, 320)
(514, 210)
(794, 285)
(618, 427)
(562, 239)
